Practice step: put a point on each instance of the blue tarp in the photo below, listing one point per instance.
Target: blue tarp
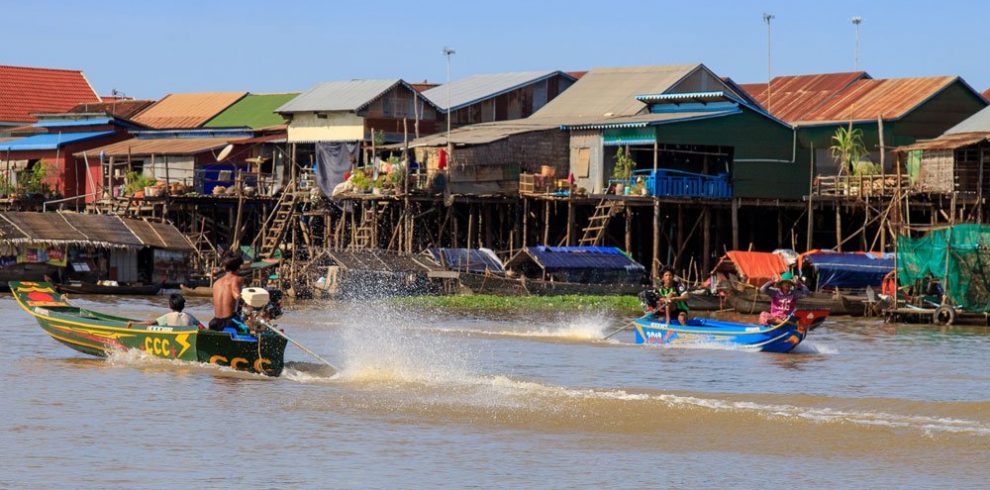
(467, 259)
(49, 141)
(562, 258)
(850, 270)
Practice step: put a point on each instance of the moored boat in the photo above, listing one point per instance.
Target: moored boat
(781, 337)
(91, 288)
(99, 334)
(752, 302)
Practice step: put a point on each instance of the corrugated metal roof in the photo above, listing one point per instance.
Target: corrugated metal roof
(611, 92)
(949, 141)
(644, 120)
(61, 123)
(467, 259)
(868, 99)
(253, 111)
(25, 91)
(158, 235)
(975, 123)
(600, 94)
(476, 88)
(163, 146)
(562, 258)
(792, 98)
(186, 110)
(477, 134)
(343, 95)
(118, 108)
(49, 141)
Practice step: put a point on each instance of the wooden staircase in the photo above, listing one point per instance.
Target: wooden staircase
(595, 231)
(278, 222)
(365, 235)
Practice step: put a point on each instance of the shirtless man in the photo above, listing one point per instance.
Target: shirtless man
(226, 294)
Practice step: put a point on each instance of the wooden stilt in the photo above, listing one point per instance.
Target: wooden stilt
(523, 239)
(735, 224)
(838, 227)
(546, 222)
(655, 258)
(570, 220)
(706, 245)
(680, 236)
(629, 218)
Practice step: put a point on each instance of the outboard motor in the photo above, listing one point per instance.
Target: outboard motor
(260, 307)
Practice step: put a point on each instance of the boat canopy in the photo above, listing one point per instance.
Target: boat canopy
(851, 270)
(479, 260)
(755, 268)
(959, 254)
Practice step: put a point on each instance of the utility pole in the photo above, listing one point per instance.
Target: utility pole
(767, 18)
(448, 53)
(856, 22)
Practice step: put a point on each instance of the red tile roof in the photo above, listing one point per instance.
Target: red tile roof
(180, 111)
(986, 94)
(26, 90)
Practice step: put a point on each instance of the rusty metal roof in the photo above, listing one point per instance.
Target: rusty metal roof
(793, 98)
(186, 110)
(157, 146)
(868, 99)
(949, 141)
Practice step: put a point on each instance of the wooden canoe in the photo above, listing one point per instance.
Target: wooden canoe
(99, 334)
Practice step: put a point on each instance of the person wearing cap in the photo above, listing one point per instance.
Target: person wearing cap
(783, 293)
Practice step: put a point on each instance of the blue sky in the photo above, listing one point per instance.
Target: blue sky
(147, 49)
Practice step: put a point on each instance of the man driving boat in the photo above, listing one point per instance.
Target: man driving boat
(227, 294)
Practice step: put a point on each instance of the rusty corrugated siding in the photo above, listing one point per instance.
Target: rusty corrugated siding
(179, 111)
(869, 99)
(792, 98)
(164, 146)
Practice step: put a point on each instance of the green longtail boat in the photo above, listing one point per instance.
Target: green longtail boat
(100, 334)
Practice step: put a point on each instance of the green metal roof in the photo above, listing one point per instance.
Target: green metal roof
(253, 111)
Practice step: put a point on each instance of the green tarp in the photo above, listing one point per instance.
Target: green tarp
(959, 254)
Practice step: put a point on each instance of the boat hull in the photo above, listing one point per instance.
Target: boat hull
(100, 334)
(143, 290)
(752, 302)
(781, 337)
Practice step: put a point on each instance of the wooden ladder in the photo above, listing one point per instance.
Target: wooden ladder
(278, 222)
(595, 231)
(364, 234)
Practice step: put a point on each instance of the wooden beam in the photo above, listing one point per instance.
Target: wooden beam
(655, 257)
(735, 224)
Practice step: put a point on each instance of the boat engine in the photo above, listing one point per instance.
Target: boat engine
(260, 304)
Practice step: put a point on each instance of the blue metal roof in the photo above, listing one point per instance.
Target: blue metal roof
(64, 123)
(49, 141)
(850, 270)
(559, 258)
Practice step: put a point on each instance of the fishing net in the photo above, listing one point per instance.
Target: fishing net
(959, 256)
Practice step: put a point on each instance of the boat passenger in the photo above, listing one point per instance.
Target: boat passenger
(783, 298)
(673, 296)
(174, 318)
(682, 317)
(227, 294)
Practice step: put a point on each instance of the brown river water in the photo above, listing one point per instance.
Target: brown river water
(444, 399)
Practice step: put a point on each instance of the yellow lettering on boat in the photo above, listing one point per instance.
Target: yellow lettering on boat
(237, 360)
(182, 340)
(147, 344)
(260, 363)
(217, 358)
(166, 350)
(157, 343)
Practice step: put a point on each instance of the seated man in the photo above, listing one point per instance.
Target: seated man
(174, 318)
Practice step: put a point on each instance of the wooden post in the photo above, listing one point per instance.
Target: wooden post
(655, 259)
(780, 228)
(470, 230)
(292, 165)
(735, 223)
(523, 239)
(809, 235)
(629, 218)
(838, 226)
(546, 222)
(680, 235)
(979, 186)
(706, 246)
(866, 222)
(570, 219)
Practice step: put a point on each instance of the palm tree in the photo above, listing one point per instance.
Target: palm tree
(848, 147)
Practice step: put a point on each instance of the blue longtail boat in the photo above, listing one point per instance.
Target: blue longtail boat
(780, 337)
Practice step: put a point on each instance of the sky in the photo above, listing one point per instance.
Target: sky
(146, 49)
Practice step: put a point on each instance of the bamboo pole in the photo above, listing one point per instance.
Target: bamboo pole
(809, 237)
(546, 222)
(629, 218)
(735, 223)
(706, 239)
(655, 259)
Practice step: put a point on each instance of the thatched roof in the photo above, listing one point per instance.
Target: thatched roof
(27, 228)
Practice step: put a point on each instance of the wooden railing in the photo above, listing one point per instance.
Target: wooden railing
(859, 185)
